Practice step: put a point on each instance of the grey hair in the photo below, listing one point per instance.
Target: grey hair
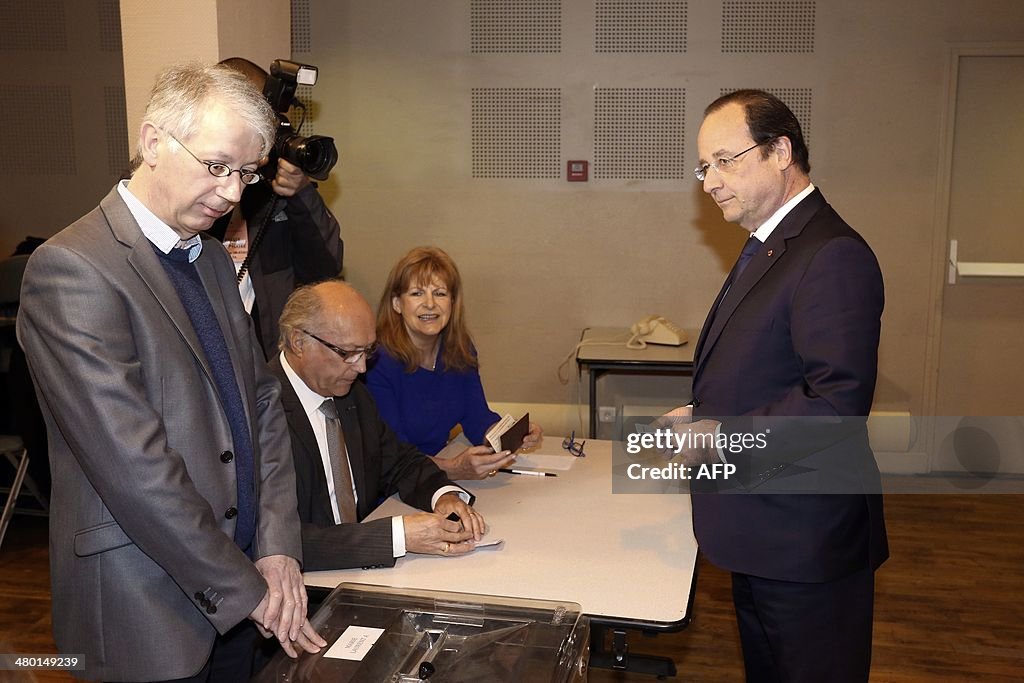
(303, 308)
(182, 93)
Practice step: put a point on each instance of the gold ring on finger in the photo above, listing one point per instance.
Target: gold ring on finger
(446, 547)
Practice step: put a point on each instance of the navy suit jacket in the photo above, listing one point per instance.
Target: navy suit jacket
(795, 336)
(382, 465)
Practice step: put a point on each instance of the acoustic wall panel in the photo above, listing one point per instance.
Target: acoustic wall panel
(639, 133)
(515, 26)
(36, 25)
(768, 26)
(307, 119)
(640, 26)
(301, 40)
(516, 132)
(116, 125)
(109, 15)
(37, 136)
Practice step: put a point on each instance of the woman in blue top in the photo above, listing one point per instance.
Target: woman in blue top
(426, 379)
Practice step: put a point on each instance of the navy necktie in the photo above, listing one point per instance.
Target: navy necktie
(749, 249)
(189, 286)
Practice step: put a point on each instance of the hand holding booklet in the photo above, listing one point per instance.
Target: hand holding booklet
(508, 434)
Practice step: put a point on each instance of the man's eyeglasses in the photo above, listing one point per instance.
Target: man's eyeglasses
(219, 170)
(350, 356)
(725, 164)
(570, 444)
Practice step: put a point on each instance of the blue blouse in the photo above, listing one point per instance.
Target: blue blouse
(424, 406)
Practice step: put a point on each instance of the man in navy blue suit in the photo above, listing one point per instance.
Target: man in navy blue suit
(790, 346)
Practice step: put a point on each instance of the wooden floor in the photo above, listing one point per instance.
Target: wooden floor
(949, 605)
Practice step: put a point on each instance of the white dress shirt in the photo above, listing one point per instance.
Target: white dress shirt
(155, 230)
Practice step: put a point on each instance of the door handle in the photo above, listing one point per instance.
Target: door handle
(979, 268)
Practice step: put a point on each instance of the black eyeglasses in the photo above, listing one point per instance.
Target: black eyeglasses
(350, 356)
(572, 446)
(219, 170)
(725, 164)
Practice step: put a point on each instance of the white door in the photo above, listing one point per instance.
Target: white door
(981, 352)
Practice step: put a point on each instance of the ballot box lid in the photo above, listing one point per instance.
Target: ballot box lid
(401, 635)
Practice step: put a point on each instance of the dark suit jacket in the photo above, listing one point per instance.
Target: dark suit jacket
(140, 449)
(381, 466)
(796, 335)
(300, 245)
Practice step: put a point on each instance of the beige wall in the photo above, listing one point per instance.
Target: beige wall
(544, 258)
(156, 35)
(62, 91)
(71, 66)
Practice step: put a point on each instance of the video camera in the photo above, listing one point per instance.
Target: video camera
(316, 155)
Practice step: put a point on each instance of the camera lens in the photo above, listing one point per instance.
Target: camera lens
(315, 155)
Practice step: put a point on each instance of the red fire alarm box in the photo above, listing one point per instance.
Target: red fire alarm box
(576, 171)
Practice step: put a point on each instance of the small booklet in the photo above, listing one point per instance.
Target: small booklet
(508, 434)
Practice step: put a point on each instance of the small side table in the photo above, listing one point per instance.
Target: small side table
(598, 359)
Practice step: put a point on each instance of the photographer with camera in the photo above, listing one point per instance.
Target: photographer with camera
(282, 235)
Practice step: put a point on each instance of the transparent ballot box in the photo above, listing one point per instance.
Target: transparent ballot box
(377, 634)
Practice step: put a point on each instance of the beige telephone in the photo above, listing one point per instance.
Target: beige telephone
(655, 330)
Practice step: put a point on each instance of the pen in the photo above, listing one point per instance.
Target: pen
(529, 472)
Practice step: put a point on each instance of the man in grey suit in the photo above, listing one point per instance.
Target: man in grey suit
(173, 532)
(327, 332)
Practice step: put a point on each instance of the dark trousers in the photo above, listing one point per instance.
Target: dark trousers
(805, 632)
(232, 657)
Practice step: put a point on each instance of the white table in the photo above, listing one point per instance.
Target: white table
(627, 559)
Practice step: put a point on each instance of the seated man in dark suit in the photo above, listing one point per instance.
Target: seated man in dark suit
(346, 457)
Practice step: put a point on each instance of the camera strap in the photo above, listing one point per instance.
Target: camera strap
(257, 238)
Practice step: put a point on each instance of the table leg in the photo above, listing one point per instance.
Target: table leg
(593, 402)
(619, 657)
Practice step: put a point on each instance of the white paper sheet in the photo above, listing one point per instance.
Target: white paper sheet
(543, 461)
(355, 643)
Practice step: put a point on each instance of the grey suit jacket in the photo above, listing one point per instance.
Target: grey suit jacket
(140, 450)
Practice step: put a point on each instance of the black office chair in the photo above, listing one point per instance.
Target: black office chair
(23, 494)
(12, 269)
(17, 455)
